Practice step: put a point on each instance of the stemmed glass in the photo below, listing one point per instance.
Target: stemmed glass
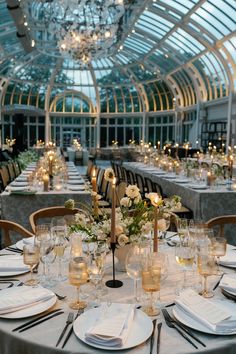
(182, 228)
(133, 266)
(185, 255)
(47, 256)
(78, 275)
(42, 232)
(206, 267)
(151, 281)
(218, 249)
(31, 258)
(59, 234)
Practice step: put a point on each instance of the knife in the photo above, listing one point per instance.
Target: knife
(71, 329)
(35, 320)
(41, 321)
(152, 336)
(158, 336)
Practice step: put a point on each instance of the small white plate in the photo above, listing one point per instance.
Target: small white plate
(189, 321)
(20, 244)
(170, 176)
(181, 180)
(32, 310)
(141, 329)
(75, 181)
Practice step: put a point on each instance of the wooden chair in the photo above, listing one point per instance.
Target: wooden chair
(11, 171)
(219, 223)
(50, 212)
(5, 178)
(9, 226)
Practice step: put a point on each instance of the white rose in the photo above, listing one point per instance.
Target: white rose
(122, 240)
(132, 191)
(125, 202)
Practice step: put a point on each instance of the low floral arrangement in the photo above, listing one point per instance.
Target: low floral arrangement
(26, 157)
(134, 218)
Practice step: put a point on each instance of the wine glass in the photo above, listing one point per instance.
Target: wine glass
(151, 281)
(218, 249)
(185, 255)
(206, 267)
(42, 232)
(78, 275)
(31, 258)
(47, 256)
(182, 228)
(133, 266)
(58, 233)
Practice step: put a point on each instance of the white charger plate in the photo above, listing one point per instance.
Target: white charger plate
(75, 181)
(10, 273)
(181, 180)
(190, 322)
(32, 310)
(141, 329)
(75, 188)
(197, 186)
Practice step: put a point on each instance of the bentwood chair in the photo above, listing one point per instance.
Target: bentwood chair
(42, 215)
(218, 224)
(10, 227)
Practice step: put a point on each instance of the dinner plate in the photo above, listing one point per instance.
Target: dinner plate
(197, 186)
(181, 180)
(35, 309)
(21, 243)
(189, 321)
(75, 181)
(76, 188)
(19, 184)
(170, 176)
(141, 329)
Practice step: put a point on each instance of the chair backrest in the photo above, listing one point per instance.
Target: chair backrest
(17, 169)
(4, 176)
(140, 184)
(9, 226)
(11, 171)
(220, 222)
(157, 189)
(89, 168)
(149, 185)
(100, 176)
(48, 213)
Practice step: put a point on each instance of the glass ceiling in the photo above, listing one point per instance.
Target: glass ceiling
(183, 48)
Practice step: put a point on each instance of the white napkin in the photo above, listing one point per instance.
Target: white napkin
(12, 263)
(228, 282)
(75, 181)
(76, 187)
(112, 326)
(212, 315)
(19, 184)
(18, 298)
(13, 189)
(229, 259)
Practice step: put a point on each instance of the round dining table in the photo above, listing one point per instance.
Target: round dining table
(42, 338)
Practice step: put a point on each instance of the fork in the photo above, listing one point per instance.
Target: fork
(171, 319)
(71, 329)
(69, 320)
(173, 325)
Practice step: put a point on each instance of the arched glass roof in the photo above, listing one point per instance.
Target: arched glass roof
(182, 49)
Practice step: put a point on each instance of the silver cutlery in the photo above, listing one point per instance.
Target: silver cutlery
(158, 336)
(60, 297)
(174, 326)
(69, 320)
(71, 329)
(152, 336)
(218, 283)
(13, 249)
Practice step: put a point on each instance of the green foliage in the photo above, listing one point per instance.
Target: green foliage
(26, 157)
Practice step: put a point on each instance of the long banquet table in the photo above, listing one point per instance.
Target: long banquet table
(42, 338)
(18, 207)
(204, 203)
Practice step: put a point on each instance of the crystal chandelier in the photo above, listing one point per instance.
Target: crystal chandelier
(81, 29)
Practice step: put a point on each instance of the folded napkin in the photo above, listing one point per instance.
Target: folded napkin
(12, 263)
(14, 188)
(228, 283)
(229, 259)
(18, 298)
(210, 314)
(76, 187)
(112, 327)
(28, 240)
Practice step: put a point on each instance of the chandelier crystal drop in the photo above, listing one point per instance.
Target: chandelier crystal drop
(83, 29)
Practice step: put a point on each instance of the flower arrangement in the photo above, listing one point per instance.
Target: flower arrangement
(26, 157)
(134, 218)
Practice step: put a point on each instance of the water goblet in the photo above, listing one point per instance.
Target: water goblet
(151, 282)
(182, 228)
(185, 255)
(47, 257)
(31, 258)
(78, 275)
(206, 267)
(218, 249)
(133, 266)
(59, 234)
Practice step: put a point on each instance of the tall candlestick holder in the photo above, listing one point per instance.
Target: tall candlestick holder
(113, 283)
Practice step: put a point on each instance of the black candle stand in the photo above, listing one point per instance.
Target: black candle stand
(113, 283)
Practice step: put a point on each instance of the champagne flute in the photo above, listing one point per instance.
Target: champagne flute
(42, 232)
(31, 258)
(185, 256)
(78, 275)
(206, 267)
(59, 234)
(133, 266)
(218, 249)
(151, 282)
(182, 228)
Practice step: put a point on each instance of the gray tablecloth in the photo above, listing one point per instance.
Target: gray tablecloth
(42, 338)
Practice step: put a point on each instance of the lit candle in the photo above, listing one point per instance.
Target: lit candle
(94, 180)
(177, 150)
(50, 165)
(113, 211)
(155, 238)
(231, 162)
(45, 183)
(209, 178)
(186, 151)
(198, 155)
(159, 146)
